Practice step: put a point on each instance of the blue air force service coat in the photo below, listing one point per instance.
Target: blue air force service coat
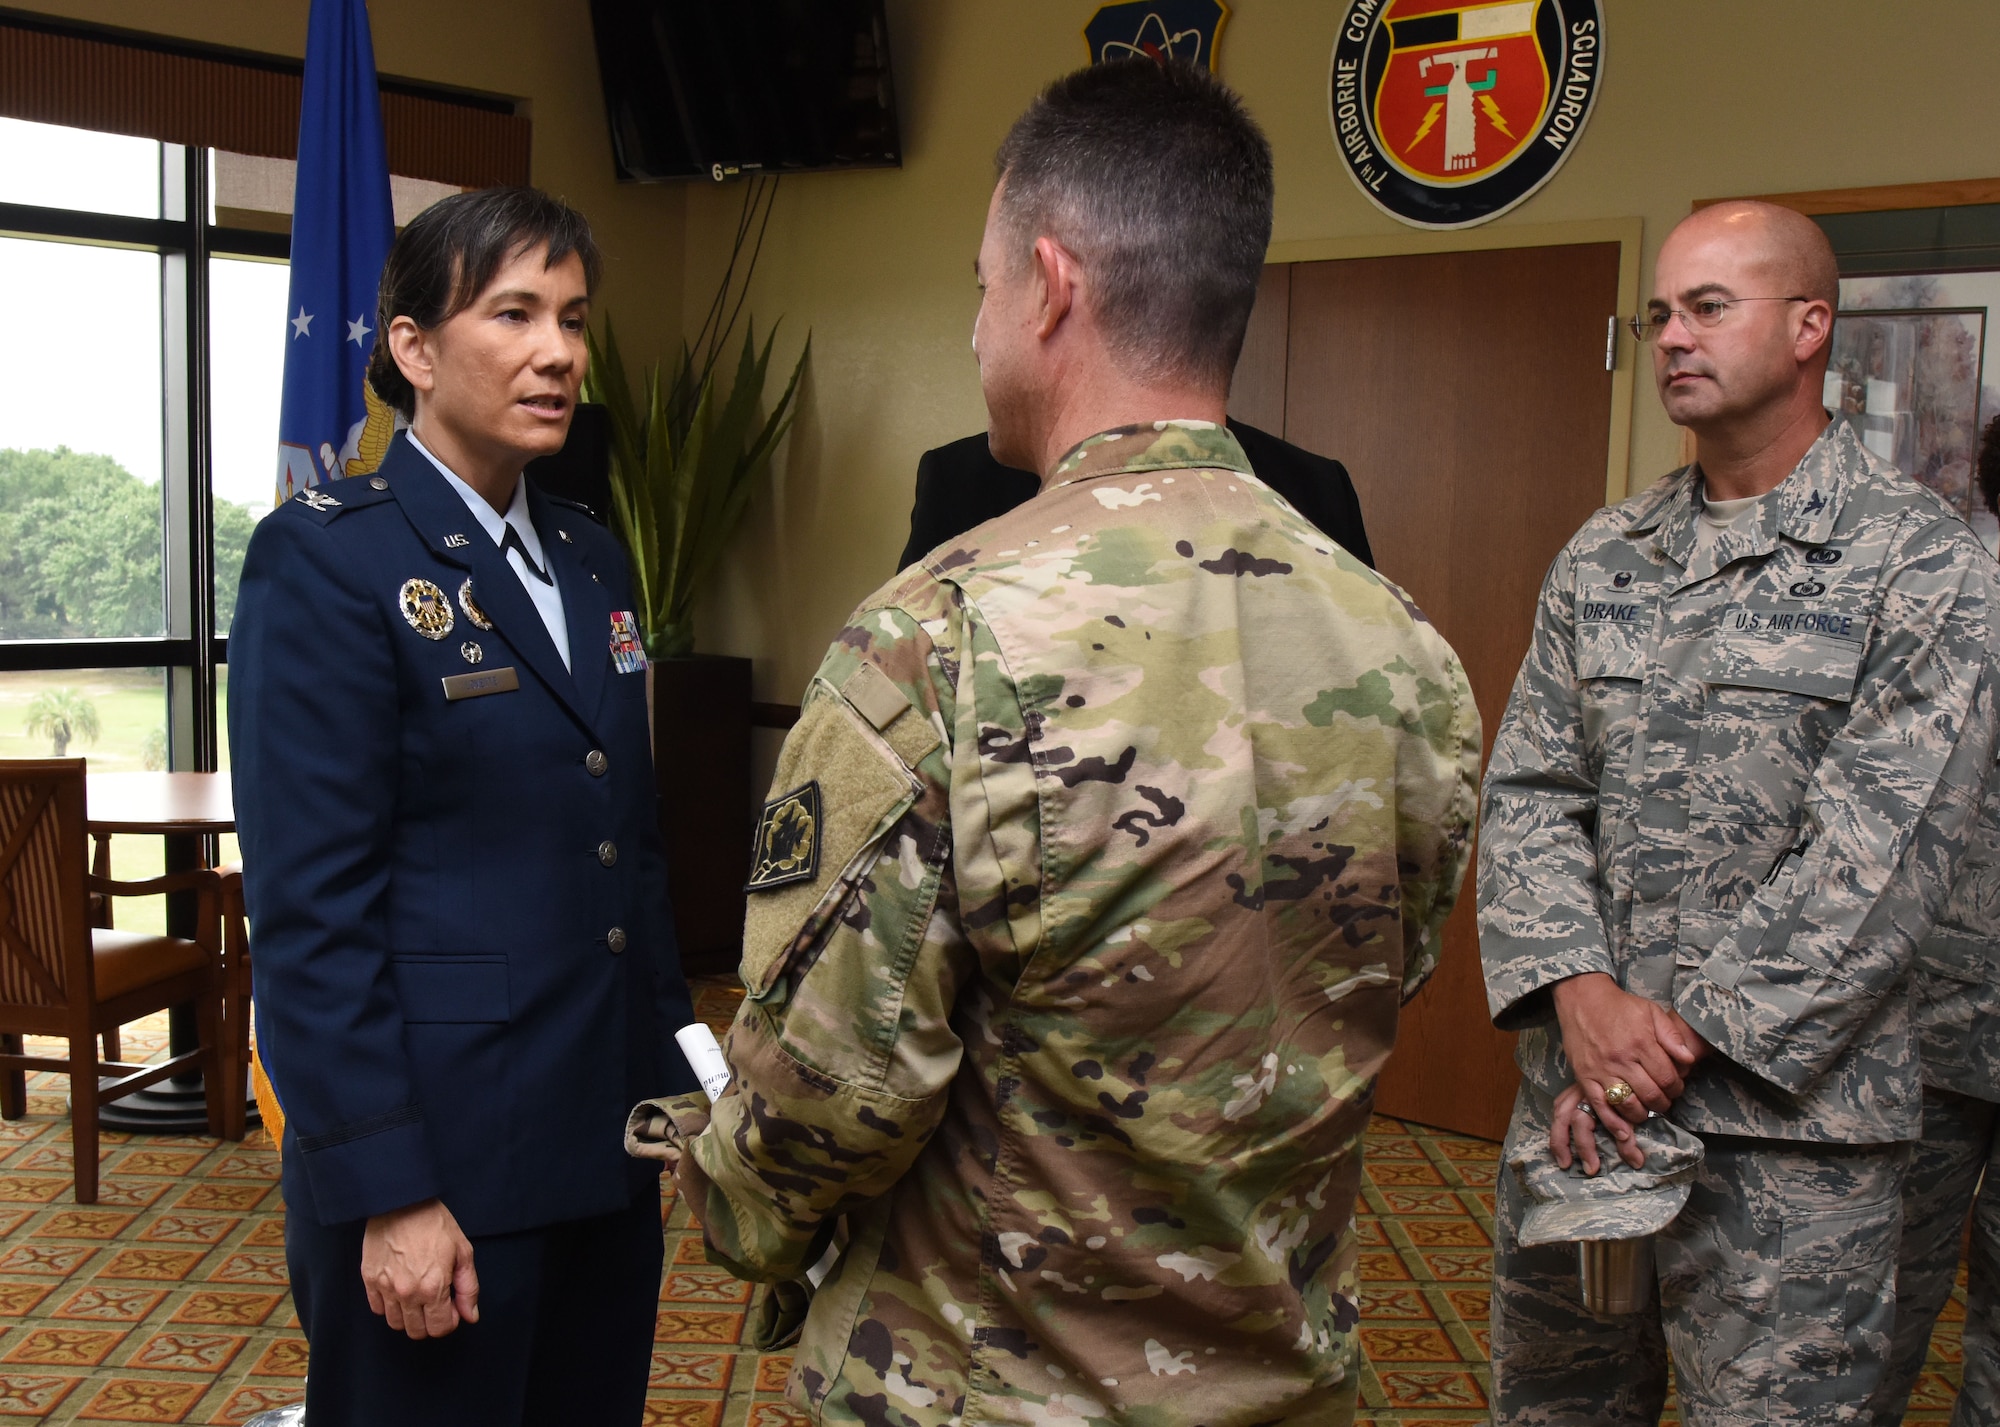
(466, 969)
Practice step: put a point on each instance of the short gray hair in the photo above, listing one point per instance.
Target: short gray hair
(1157, 178)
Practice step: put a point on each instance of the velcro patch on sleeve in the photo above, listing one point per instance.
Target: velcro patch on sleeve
(840, 776)
(876, 698)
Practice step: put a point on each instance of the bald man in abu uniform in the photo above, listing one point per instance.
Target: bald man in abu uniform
(1735, 779)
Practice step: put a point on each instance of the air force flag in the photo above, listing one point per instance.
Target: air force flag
(342, 225)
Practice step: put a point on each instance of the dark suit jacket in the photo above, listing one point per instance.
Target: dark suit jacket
(442, 1001)
(961, 485)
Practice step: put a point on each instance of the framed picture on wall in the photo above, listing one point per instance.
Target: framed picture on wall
(1910, 373)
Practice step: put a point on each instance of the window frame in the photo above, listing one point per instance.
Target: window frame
(192, 650)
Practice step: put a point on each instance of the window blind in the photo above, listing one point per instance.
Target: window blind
(201, 96)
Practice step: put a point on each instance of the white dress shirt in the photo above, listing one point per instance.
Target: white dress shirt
(547, 597)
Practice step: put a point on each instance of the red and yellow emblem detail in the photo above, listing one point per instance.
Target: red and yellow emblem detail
(1465, 90)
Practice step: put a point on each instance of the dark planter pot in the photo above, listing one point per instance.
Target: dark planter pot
(701, 757)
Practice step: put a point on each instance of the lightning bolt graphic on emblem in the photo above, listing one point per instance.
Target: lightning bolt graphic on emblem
(1430, 121)
(1493, 113)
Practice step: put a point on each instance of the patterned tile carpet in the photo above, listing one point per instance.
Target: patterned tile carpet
(166, 1301)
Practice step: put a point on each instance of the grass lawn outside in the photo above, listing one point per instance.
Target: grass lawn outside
(131, 704)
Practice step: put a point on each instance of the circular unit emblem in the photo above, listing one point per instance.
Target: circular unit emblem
(426, 608)
(1448, 113)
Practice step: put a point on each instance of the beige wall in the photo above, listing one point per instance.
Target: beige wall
(537, 50)
(1701, 98)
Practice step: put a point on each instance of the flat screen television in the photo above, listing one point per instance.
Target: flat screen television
(714, 88)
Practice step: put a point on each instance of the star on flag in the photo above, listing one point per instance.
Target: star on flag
(302, 324)
(358, 329)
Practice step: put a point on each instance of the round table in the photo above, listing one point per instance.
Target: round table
(186, 809)
(159, 803)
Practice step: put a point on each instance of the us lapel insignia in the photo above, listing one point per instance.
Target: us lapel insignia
(787, 848)
(471, 607)
(628, 655)
(426, 608)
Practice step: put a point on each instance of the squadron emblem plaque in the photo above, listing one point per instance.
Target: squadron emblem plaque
(1447, 114)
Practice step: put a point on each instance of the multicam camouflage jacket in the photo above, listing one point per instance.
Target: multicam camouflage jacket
(1958, 969)
(1138, 813)
(1738, 776)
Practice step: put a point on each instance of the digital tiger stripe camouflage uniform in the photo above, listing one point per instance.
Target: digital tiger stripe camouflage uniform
(1143, 806)
(1955, 1167)
(1738, 774)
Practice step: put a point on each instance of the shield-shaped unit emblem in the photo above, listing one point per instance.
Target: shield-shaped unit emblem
(1186, 30)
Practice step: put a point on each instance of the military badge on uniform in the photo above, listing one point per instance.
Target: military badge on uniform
(470, 652)
(316, 498)
(787, 846)
(472, 610)
(426, 608)
(628, 655)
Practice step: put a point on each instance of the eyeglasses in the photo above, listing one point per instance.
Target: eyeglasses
(1709, 312)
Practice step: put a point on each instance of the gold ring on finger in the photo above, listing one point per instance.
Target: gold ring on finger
(1617, 1093)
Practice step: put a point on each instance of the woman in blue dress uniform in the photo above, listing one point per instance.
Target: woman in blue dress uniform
(466, 969)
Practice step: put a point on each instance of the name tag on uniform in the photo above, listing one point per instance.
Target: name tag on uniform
(485, 681)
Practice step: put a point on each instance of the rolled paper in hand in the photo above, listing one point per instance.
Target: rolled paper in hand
(704, 1057)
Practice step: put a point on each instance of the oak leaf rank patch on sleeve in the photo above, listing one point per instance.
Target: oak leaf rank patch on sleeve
(787, 846)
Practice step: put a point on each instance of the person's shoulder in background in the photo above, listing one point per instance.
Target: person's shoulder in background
(1318, 487)
(960, 485)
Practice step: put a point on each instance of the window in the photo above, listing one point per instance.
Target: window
(138, 445)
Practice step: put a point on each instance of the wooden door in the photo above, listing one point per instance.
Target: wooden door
(1467, 395)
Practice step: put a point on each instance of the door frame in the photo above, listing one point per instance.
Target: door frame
(1883, 198)
(1627, 233)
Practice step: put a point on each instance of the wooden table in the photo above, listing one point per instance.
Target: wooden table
(187, 810)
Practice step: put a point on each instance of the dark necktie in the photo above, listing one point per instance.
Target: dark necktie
(512, 541)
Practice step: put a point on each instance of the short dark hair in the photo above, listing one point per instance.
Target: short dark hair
(448, 254)
(1157, 178)
(1989, 466)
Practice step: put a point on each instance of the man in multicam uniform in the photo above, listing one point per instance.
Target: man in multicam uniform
(1958, 1028)
(1735, 778)
(1139, 810)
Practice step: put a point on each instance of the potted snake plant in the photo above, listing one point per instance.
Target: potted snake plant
(685, 461)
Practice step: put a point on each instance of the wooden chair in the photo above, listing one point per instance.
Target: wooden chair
(236, 995)
(60, 976)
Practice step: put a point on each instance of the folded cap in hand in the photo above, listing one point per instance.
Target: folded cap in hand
(1618, 1202)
